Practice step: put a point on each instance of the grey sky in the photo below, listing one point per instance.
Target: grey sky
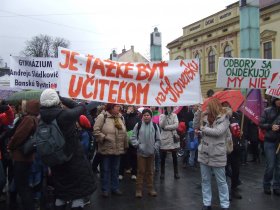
(97, 27)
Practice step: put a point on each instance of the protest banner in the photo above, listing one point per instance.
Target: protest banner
(33, 73)
(274, 92)
(248, 73)
(162, 83)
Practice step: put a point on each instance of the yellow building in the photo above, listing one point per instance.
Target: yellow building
(219, 36)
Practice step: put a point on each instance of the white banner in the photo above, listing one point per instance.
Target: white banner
(273, 92)
(33, 73)
(248, 73)
(162, 83)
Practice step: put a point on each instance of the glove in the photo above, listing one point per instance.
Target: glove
(4, 108)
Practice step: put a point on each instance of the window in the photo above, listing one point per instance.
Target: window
(227, 52)
(267, 50)
(211, 61)
(199, 61)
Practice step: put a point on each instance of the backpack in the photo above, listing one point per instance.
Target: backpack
(139, 126)
(50, 143)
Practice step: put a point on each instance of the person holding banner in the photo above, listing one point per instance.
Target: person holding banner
(111, 135)
(270, 122)
(212, 153)
(73, 179)
(169, 140)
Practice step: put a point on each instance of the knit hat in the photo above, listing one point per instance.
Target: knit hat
(84, 122)
(49, 98)
(147, 111)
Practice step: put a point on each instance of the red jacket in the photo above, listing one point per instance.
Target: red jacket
(6, 118)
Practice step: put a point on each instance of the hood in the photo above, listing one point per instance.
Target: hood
(228, 111)
(156, 113)
(109, 115)
(48, 114)
(33, 107)
(222, 117)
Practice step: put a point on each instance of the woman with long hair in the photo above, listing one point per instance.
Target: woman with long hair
(212, 153)
(169, 141)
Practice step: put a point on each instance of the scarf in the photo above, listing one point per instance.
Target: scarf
(117, 123)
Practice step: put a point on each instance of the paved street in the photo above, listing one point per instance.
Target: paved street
(186, 193)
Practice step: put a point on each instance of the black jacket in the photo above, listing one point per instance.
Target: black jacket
(271, 116)
(131, 120)
(73, 179)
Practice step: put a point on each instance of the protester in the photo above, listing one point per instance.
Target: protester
(23, 163)
(6, 118)
(270, 121)
(84, 127)
(233, 159)
(111, 135)
(250, 133)
(129, 159)
(73, 180)
(170, 140)
(146, 138)
(212, 153)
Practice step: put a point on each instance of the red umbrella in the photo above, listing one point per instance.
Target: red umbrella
(233, 97)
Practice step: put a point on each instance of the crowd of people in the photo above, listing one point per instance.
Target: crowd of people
(110, 139)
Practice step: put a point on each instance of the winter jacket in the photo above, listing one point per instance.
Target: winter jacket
(111, 141)
(24, 131)
(271, 116)
(197, 119)
(169, 123)
(7, 117)
(155, 117)
(212, 149)
(73, 179)
(146, 146)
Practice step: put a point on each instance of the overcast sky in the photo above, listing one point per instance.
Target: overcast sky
(98, 26)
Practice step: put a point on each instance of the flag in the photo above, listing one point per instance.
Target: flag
(252, 107)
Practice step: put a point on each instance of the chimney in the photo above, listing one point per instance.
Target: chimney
(132, 48)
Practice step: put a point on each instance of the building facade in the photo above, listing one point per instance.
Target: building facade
(219, 36)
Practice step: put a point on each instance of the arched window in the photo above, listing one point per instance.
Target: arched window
(179, 58)
(199, 61)
(211, 61)
(227, 52)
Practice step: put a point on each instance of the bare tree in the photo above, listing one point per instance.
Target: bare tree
(44, 46)
(1, 61)
(59, 42)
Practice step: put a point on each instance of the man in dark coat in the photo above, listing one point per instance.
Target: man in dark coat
(270, 121)
(73, 180)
